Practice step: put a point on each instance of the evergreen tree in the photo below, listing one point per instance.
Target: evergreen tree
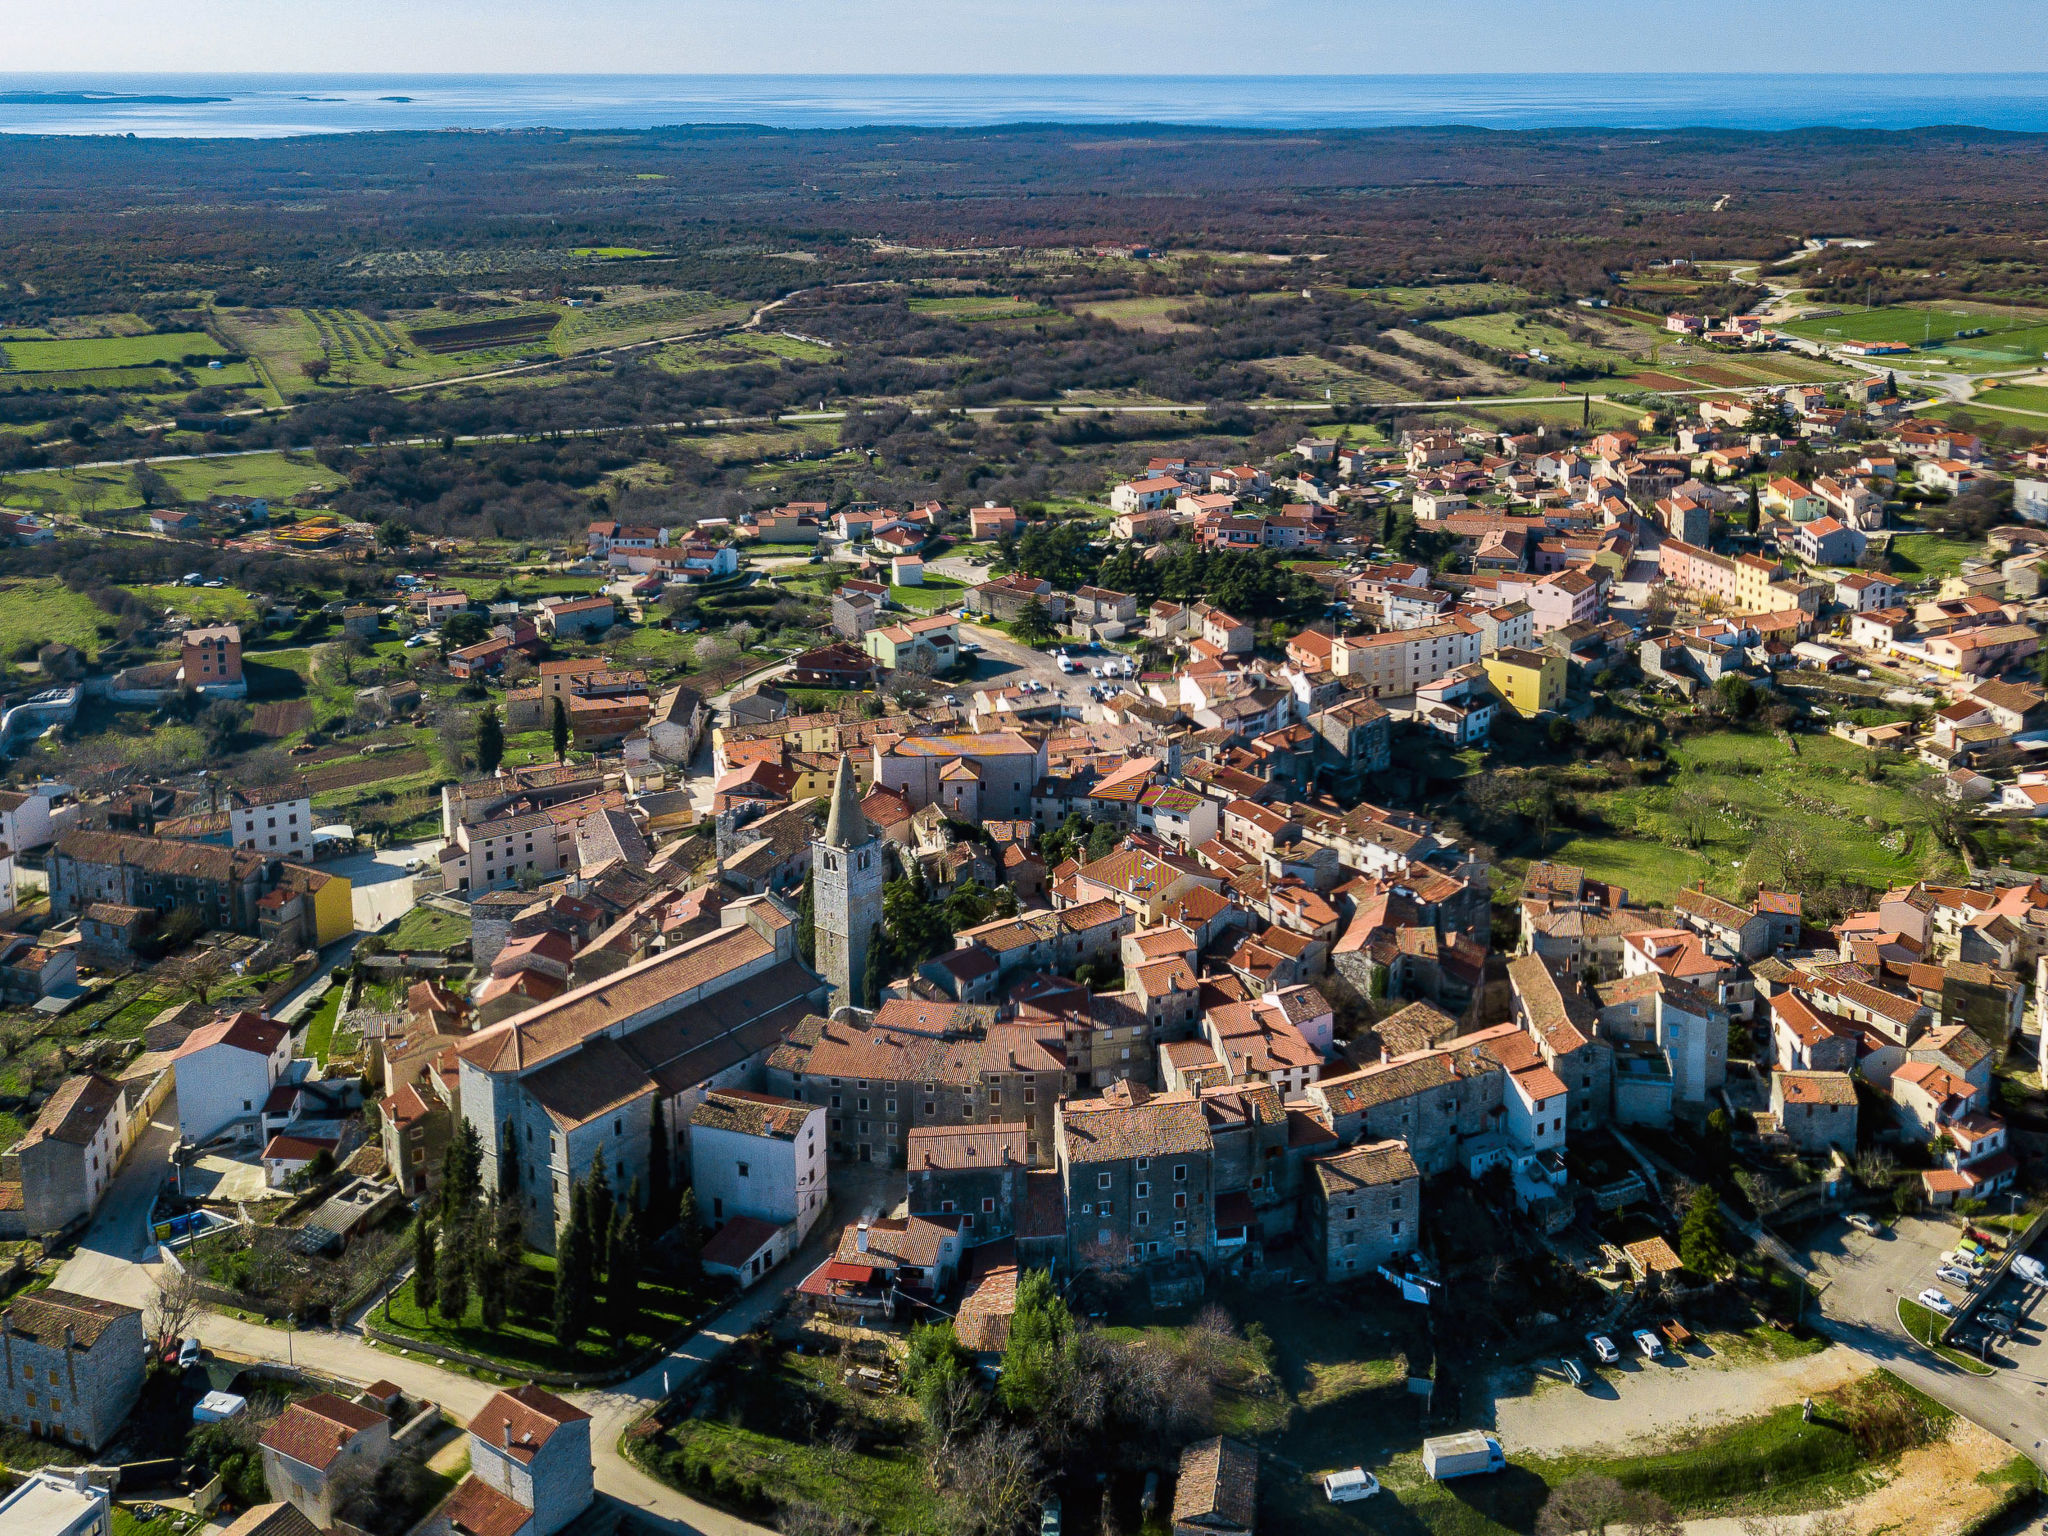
(490, 740)
(878, 970)
(558, 727)
(508, 1163)
(689, 1236)
(453, 1278)
(490, 1287)
(599, 1205)
(807, 920)
(572, 1274)
(1702, 1236)
(509, 1238)
(661, 1190)
(622, 1290)
(1041, 1331)
(423, 1262)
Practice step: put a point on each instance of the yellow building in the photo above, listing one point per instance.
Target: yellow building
(1530, 681)
(331, 898)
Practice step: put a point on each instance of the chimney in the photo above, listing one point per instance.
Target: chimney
(506, 1432)
(860, 1238)
(70, 1337)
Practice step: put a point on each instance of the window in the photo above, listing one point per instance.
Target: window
(835, 1101)
(889, 1106)
(1396, 1229)
(1142, 1190)
(1180, 1202)
(945, 1206)
(1144, 1164)
(1104, 1207)
(1180, 1229)
(995, 1095)
(1180, 1173)
(1030, 1095)
(743, 1170)
(1144, 1219)
(987, 1204)
(863, 1104)
(1102, 1181)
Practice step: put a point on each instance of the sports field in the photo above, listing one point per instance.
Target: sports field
(2010, 336)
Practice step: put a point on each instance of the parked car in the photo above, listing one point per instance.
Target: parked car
(2030, 1269)
(1646, 1341)
(1603, 1348)
(1352, 1483)
(1448, 1456)
(1971, 1245)
(1955, 1275)
(1999, 1321)
(188, 1354)
(1574, 1372)
(1961, 1259)
(1936, 1301)
(1863, 1223)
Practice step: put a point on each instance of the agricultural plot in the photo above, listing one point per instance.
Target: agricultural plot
(1520, 333)
(612, 325)
(479, 335)
(1153, 314)
(1444, 295)
(2015, 397)
(38, 356)
(34, 613)
(1317, 374)
(982, 308)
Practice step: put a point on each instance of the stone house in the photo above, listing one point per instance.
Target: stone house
(316, 1444)
(529, 1468)
(1137, 1169)
(1364, 1208)
(73, 1366)
(69, 1155)
(977, 1172)
(1817, 1110)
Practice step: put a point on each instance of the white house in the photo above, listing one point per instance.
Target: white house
(57, 1501)
(1535, 1103)
(225, 1070)
(273, 820)
(756, 1155)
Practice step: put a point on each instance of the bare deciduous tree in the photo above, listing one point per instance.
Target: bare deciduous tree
(170, 1310)
(993, 1483)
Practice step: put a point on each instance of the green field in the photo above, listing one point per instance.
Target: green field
(1444, 296)
(105, 351)
(209, 605)
(1765, 802)
(2020, 397)
(936, 593)
(974, 307)
(611, 252)
(1931, 554)
(1150, 314)
(33, 613)
(1518, 333)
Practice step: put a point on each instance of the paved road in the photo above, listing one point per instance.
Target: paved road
(1866, 1276)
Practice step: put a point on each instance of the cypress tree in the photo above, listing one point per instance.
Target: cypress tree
(623, 1289)
(690, 1237)
(490, 740)
(572, 1274)
(878, 970)
(661, 1195)
(599, 1207)
(423, 1262)
(509, 1238)
(490, 1287)
(807, 920)
(558, 727)
(454, 1279)
(508, 1163)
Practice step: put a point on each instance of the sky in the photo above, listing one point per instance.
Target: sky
(1121, 37)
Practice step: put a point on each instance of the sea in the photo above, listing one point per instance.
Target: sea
(278, 106)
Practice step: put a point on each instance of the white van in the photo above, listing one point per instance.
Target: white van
(1066, 662)
(1343, 1487)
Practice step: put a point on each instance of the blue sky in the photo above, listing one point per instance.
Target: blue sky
(1126, 37)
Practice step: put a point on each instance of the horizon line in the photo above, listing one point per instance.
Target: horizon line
(590, 74)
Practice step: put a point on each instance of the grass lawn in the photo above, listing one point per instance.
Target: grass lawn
(2025, 397)
(320, 1028)
(935, 594)
(1517, 333)
(1763, 797)
(428, 928)
(1771, 1463)
(759, 1448)
(1925, 1327)
(528, 1344)
(34, 613)
(1931, 554)
(209, 605)
(1444, 296)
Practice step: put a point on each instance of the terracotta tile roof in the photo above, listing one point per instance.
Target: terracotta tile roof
(1360, 1167)
(313, 1430)
(915, 1240)
(1816, 1087)
(526, 1416)
(160, 856)
(74, 1113)
(1218, 1487)
(751, 1114)
(44, 1315)
(1562, 1020)
(478, 1509)
(948, 1147)
(1158, 1125)
(244, 1031)
(735, 1243)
